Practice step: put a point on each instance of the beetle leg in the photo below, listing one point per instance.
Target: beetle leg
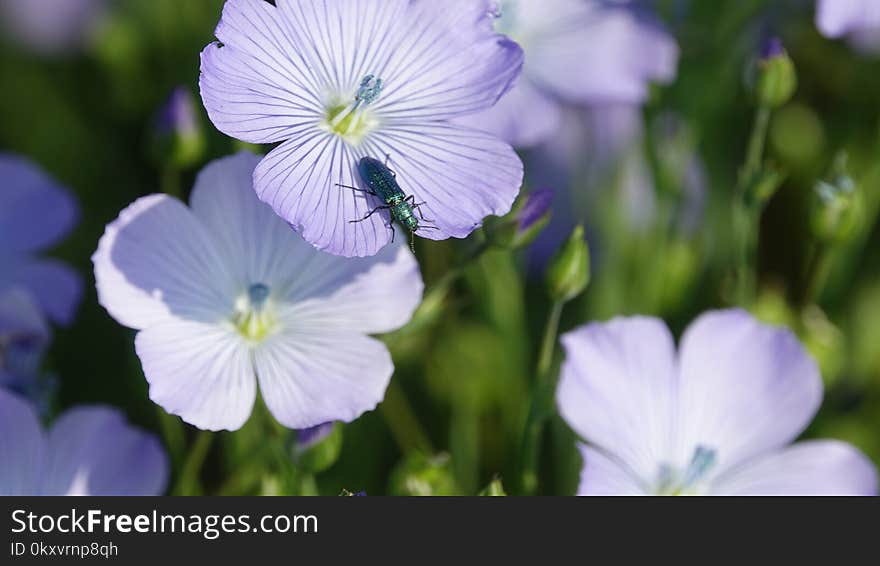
(372, 212)
(356, 189)
(393, 231)
(417, 207)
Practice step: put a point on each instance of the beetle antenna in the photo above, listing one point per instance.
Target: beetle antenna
(412, 242)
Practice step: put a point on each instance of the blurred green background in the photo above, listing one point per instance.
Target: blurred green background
(464, 370)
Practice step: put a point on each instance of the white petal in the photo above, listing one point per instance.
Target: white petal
(22, 447)
(815, 467)
(309, 376)
(601, 475)
(618, 390)
(201, 372)
(94, 451)
(157, 261)
(746, 388)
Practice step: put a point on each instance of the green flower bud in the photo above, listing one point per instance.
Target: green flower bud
(494, 489)
(178, 139)
(421, 475)
(837, 206)
(569, 271)
(776, 76)
(318, 448)
(520, 228)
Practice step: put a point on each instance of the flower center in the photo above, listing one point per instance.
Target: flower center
(686, 482)
(352, 120)
(254, 316)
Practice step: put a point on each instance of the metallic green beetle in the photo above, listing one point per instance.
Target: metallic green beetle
(382, 183)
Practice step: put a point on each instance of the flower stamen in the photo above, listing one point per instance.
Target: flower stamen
(254, 318)
(351, 121)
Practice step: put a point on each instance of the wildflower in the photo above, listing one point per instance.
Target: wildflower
(624, 51)
(716, 417)
(35, 214)
(337, 81)
(51, 27)
(87, 451)
(225, 295)
(24, 337)
(839, 18)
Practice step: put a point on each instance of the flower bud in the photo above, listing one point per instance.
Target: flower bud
(776, 80)
(318, 448)
(178, 136)
(520, 228)
(569, 271)
(494, 489)
(836, 207)
(421, 475)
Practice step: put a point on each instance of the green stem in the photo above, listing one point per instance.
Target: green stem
(541, 403)
(171, 181)
(757, 141)
(816, 273)
(173, 433)
(401, 419)
(188, 483)
(747, 215)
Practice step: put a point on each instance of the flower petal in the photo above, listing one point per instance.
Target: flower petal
(601, 475)
(22, 447)
(257, 86)
(836, 18)
(94, 451)
(461, 175)
(201, 372)
(618, 390)
(35, 212)
(309, 376)
(746, 388)
(300, 180)
(55, 287)
(156, 261)
(627, 50)
(524, 117)
(815, 467)
(447, 63)
(371, 295)
(24, 336)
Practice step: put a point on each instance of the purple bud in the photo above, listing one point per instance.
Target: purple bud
(772, 49)
(536, 207)
(308, 437)
(177, 115)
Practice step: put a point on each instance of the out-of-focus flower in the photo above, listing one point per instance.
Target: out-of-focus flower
(340, 80)
(177, 130)
(87, 451)
(840, 18)
(35, 214)
(318, 448)
(51, 26)
(578, 52)
(24, 337)
(716, 417)
(225, 294)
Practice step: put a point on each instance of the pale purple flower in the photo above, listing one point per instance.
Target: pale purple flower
(308, 437)
(89, 450)
(51, 26)
(578, 52)
(715, 417)
(226, 295)
(338, 80)
(840, 18)
(35, 214)
(24, 337)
